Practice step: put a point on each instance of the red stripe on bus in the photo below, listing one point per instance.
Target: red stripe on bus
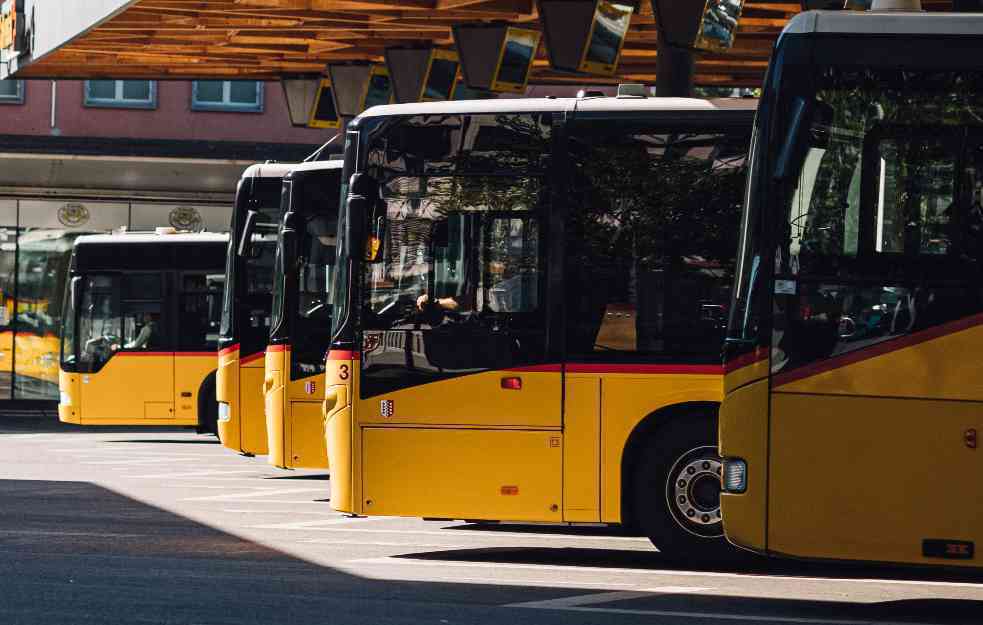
(891, 345)
(625, 368)
(342, 354)
(745, 360)
(210, 354)
(277, 348)
(228, 350)
(122, 353)
(251, 357)
(664, 369)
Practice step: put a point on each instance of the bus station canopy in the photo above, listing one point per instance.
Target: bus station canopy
(270, 39)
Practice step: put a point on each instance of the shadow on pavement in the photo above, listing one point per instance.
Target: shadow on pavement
(80, 554)
(653, 560)
(562, 530)
(318, 476)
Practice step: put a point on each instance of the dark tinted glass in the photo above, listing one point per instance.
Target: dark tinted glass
(610, 25)
(515, 62)
(325, 106)
(380, 90)
(440, 81)
(650, 242)
(461, 284)
(881, 232)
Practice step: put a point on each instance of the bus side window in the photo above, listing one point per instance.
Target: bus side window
(197, 323)
(141, 308)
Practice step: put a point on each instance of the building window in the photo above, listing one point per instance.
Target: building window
(227, 95)
(11, 91)
(138, 94)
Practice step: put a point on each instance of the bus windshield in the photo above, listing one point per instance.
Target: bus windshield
(249, 281)
(468, 204)
(882, 212)
(302, 285)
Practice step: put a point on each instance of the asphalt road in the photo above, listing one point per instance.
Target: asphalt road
(165, 526)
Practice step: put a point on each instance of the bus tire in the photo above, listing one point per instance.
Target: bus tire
(207, 407)
(676, 494)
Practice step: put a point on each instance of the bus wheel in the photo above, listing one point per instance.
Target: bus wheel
(207, 408)
(677, 491)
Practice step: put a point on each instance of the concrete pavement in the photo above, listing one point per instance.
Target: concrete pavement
(166, 526)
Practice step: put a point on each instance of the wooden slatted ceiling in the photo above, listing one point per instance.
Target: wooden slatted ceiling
(265, 39)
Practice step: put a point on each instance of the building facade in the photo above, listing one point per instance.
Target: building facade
(81, 157)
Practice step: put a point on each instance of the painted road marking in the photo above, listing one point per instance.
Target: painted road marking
(260, 493)
(580, 603)
(673, 573)
(165, 476)
(307, 525)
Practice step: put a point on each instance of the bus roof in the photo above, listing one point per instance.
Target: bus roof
(318, 165)
(151, 238)
(557, 105)
(268, 170)
(885, 23)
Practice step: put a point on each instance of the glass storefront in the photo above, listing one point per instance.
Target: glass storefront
(36, 237)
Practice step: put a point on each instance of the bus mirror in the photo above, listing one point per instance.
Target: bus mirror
(374, 239)
(246, 242)
(288, 243)
(76, 293)
(792, 154)
(364, 207)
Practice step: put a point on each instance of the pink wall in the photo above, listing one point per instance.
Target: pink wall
(172, 119)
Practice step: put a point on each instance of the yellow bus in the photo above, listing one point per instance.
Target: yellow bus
(850, 426)
(301, 327)
(246, 303)
(530, 301)
(140, 329)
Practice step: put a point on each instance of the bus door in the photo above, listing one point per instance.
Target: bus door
(459, 401)
(127, 362)
(876, 399)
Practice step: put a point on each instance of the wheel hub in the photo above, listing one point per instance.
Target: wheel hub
(693, 489)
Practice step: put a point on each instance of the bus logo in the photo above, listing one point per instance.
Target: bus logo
(73, 215)
(386, 408)
(310, 387)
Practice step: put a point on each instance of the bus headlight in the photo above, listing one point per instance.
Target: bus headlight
(66, 399)
(223, 411)
(735, 475)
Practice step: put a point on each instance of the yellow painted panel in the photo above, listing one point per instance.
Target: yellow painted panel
(340, 447)
(752, 367)
(935, 368)
(158, 410)
(744, 434)
(274, 406)
(68, 385)
(117, 393)
(625, 401)
(6, 352)
(295, 429)
(869, 478)
(582, 450)
(462, 473)
(473, 400)
(252, 417)
(227, 392)
(307, 441)
(190, 370)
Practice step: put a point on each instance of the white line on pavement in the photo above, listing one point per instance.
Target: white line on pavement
(673, 573)
(259, 493)
(307, 525)
(165, 476)
(492, 534)
(579, 603)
